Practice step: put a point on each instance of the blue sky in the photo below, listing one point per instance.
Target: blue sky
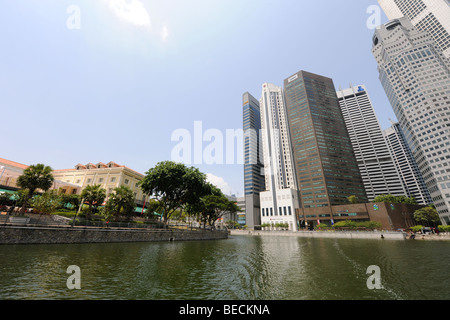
(116, 87)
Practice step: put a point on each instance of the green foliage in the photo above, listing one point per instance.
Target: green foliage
(33, 178)
(395, 199)
(416, 228)
(353, 199)
(444, 228)
(427, 215)
(93, 195)
(46, 203)
(121, 202)
(174, 186)
(353, 225)
(6, 199)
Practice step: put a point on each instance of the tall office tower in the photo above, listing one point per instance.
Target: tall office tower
(416, 77)
(253, 167)
(326, 167)
(432, 16)
(410, 175)
(378, 171)
(280, 200)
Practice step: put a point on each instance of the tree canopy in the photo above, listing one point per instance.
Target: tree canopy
(427, 216)
(174, 185)
(395, 199)
(35, 177)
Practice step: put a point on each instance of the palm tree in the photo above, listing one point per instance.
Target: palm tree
(93, 195)
(35, 177)
(121, 202)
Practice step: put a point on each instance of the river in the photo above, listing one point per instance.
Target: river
(239, 268)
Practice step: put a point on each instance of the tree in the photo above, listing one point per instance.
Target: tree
(33, 178)
(47, 203)
(353, 199)
(395, 199)
(174, 186)
(93, 195)
(121, 203)
(427, 216)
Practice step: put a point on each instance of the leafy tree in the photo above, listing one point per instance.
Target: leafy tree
(33, 178)
(120, 203)
(70, 200)
(174, 186)
(93, 195)
(5, 199)
(395, 199)
(47, 203)
(427, 216)
(353, 199)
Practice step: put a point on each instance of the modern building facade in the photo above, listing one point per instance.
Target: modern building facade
(406, 165)
(376, 165)
(326, 167)
(431, 16)
(280, 198)
(253, 166)
(415, 75)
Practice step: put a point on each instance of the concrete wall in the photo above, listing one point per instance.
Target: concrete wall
(323, 234)
(54, 235)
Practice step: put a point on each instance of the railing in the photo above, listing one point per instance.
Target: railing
(38, 220)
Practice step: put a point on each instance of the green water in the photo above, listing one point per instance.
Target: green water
(240, 268)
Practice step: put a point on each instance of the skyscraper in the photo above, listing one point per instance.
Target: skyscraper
(378, 171)
(432, 16)
(253, 167)
(280, 199)
(410, 175)
(326, 167)
(415, 75)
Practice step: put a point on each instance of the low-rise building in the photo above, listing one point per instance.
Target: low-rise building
(108, 175)
(391, 216)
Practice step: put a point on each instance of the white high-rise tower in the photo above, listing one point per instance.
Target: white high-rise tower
(432, 16)
(415, 75)
(378, 170)
(279, 201)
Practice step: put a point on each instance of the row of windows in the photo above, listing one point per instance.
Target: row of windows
(266, 212)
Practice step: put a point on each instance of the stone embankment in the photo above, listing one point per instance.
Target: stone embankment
(387, 235)
(10, 234)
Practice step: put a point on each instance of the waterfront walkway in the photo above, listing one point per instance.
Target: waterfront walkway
(387, 235)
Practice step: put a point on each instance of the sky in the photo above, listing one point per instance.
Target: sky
(113, 80)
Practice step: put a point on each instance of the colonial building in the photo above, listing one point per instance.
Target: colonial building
(109, 175)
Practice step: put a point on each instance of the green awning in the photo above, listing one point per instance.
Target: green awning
(6, 191)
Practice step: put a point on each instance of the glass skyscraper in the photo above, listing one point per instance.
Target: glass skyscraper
(326, 167)
(253, 166)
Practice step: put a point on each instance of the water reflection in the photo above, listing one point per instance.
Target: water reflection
(240, 268)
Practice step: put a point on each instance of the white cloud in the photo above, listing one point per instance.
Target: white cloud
(131, 11)
(220, 183)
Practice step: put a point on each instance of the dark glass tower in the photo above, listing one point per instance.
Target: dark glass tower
(326, 167)
(253, 167)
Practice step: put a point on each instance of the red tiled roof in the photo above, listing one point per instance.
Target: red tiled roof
(13, 164)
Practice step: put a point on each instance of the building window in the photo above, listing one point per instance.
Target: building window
(113, 179)
(126, 181)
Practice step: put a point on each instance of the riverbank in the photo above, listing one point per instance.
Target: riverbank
(71, 235)
(386, 235)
